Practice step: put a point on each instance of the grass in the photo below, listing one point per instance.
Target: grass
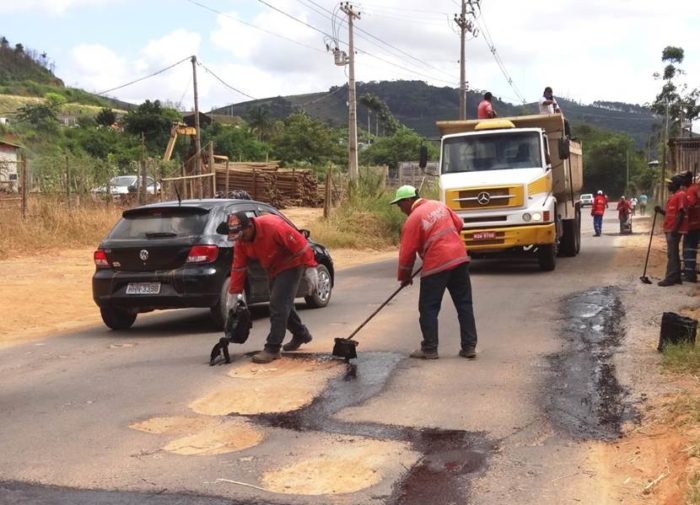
(682, 359)
(692, 496)
(51, 224)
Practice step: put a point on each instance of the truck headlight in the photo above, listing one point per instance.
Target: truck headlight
(536, 216)
(527, 217)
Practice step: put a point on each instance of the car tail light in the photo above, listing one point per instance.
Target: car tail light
(100, 258)
(203, 254)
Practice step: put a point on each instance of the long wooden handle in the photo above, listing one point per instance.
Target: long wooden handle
(382, 305)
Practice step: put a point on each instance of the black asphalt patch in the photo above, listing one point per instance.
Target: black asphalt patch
(583, 396)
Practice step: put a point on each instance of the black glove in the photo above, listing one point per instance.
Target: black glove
(408, 282)
(659, 210)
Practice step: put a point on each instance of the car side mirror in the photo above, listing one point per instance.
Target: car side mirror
(423, 157)
(564, 152)
(222, 229)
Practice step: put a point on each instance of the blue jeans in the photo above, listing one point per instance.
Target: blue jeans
(598, 224)
(432, 289)
(283, 315)
(690, 252)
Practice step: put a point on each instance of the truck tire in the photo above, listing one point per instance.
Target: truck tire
(578, 229)
(547, 257)
(322, 296)
(570, 240)
(117, 319)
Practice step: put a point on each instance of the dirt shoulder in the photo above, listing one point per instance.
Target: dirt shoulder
(52, 293)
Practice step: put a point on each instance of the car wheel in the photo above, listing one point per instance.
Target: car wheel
(117, 319)
(322, 295)
(218, 311)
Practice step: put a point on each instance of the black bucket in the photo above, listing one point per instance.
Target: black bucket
(677, 329)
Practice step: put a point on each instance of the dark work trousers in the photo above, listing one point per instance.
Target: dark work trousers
(283, 315)
(432, 289)
(598, 224)
(690, 253)
(673, 258)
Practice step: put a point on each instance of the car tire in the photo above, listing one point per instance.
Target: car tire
(322, 295)
(218, 311)
(117, 319)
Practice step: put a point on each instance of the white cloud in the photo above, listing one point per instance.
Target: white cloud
(53, 7)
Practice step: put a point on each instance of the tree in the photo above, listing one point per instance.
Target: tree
(680, 103)
(153, 122)
(304, 139)
(42, 116)
(403, 145)
(260, 120)
(106, 117)
(378, 106)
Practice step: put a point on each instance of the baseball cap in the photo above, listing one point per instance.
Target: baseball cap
(404, 192)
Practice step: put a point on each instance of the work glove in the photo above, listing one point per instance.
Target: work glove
(407, 282)
(659, 210)
(232, 299)
(311, 275)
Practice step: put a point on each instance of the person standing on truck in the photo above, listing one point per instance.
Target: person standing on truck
(549, 105)
(485, 109)
(691, 239)
(600, 203)
(675, 225)
(432, 231)
(284, 253)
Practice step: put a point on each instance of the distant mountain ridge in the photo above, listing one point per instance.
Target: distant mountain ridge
(419, 105)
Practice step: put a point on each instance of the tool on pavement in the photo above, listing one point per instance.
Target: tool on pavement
(644, 277)
(346, 347)
(236, 330)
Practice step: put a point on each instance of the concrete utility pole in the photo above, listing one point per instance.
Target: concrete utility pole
(353, 170)
(197, 138)
(465, 25)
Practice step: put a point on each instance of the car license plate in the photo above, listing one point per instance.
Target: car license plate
(143, 288)
(484, 235)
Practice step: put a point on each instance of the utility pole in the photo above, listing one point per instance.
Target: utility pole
(663, 166)
(342, 59)
(465, 25)
(197, 138)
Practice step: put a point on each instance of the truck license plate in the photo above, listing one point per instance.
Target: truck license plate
(143, 288)
(484, 235)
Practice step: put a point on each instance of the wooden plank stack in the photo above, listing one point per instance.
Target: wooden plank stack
(266, 182)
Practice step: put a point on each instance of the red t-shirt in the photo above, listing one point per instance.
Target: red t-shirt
(693, 201)
(485, 110)
(674, 204)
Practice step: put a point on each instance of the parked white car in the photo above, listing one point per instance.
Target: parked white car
(126, 184)
(586, 199)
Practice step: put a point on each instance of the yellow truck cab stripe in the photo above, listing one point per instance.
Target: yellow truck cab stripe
(540, 185)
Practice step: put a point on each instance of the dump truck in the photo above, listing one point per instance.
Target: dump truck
(515, 182)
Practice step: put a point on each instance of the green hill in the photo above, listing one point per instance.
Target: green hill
(419, 105)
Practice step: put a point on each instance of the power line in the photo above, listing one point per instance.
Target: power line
(144, 78)
(224, 82)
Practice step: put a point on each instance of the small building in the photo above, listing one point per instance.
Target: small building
(9, 161)
(685, 154)
(188, 119)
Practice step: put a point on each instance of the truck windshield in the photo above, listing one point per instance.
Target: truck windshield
(497, 151)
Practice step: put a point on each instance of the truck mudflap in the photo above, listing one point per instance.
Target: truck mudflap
(497, 239)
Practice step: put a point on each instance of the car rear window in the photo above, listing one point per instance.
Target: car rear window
(160, 223)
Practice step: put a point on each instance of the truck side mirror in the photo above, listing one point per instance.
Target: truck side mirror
(564, 148)
(423, 157)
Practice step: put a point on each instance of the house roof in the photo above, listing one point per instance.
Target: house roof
(11, 144)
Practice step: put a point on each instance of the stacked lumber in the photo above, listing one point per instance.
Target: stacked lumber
(266, 182)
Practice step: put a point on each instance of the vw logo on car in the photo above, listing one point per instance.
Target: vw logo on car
(143, 254)
(483, 198)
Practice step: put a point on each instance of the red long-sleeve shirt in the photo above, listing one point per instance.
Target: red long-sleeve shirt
(277, 245)
(624, 208)
(431, 231)
(693, 210)
(599, 205)
(674, 204)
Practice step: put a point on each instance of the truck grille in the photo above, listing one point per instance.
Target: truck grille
(492, 197)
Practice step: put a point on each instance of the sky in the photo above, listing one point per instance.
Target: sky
(586, 50)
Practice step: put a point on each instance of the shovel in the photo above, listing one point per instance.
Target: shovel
(346, 347)
(644, 277)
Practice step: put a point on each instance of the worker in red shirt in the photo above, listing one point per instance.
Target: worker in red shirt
(432, 231)
(691, 239)
(675, 225)
(624, 209)
(285, 254)
(600, 203)
(485, 108)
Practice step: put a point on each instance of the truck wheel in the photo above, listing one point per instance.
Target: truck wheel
(570, 239)
(578, 230)
(322, 295)
(117, 319)
(547, 257)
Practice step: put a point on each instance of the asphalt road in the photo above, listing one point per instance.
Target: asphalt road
(66, 403)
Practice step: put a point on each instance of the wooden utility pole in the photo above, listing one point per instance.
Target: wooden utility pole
(24, 178)
(347, 8)
(465, 26)
(197, 138)
(327, 200)
(141, 175)
(212, 170)
(68, 182)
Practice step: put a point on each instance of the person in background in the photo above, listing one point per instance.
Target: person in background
(548, 105)
(485, 109)
(675, 225)
(284, 253)
(600, 203)
(432, 231)
(691, 239)
(643, 203)
(633, 203)
(624, 209)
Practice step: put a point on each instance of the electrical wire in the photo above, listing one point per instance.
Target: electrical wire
(224, 82)
(143, 78)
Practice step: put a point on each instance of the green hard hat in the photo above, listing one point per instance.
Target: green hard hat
(404, 192)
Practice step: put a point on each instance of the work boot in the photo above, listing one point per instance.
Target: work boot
(669, 282)
(469, 352)
(266, 356)
(296, 342)
(421, 354)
